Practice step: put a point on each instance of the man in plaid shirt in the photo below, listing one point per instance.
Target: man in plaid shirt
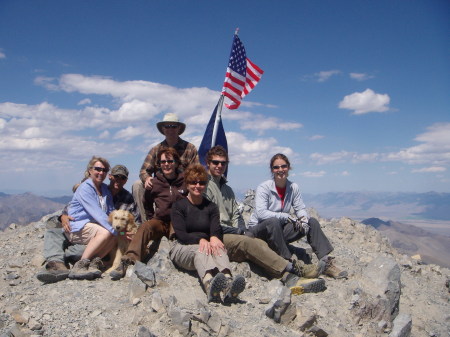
(171, 128)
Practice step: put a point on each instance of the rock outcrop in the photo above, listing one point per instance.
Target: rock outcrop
(386, 294)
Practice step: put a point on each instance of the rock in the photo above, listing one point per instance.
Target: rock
(137, 287)
(145, 273)
(380, 293)
(279, 304)
(402, 326)
(181, 319)
(144, 332)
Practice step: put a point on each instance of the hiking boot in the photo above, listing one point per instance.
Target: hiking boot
(333, 271)
(305, 285)
(214, 286)
(234, 288)
(54, 271)
(121, 270)
(96, 266)
(307, 270)
(80, 271)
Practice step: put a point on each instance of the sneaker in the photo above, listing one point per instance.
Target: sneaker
(96, 266)
(54, 271)
(307, 270)
(214, 286)
(80, 271)
(305, 285)
(121, 270)
(234, 288)
(333, 271)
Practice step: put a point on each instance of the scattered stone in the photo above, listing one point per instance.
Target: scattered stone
(402, 326)
(145, 274)
(279, 304)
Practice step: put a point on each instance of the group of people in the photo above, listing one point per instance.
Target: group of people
(197, 211)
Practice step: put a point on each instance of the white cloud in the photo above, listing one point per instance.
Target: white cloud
(323, 76)
(316, 137)
(434, 150)
(84, 101)
(253, 152)
(343, 156)
(431, 169)
(345, 173)
(104, 135)
(262, 123)
(130, 133)
(310, 174)
(2, 54)
(365, 102)
(360, 76)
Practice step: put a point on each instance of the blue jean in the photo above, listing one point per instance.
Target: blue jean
(58, 248)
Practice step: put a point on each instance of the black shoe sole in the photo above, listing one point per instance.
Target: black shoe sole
(85, 276)
(218, 283)
(237, 286)
(46, 277)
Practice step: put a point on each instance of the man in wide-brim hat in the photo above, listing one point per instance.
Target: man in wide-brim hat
(171, 128)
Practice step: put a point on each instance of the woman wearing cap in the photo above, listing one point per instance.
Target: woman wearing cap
(199, 244)
(89, 209)
(272, 222)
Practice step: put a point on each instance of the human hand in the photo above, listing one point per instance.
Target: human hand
(129, 235)
(148, 183)
(217, 246)
(204, 246)
(65, 222)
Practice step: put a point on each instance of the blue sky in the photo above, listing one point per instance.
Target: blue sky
(356, 93)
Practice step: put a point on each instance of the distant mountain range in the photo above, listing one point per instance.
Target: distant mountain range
(412, 240)
(22, 209)
(396, 206)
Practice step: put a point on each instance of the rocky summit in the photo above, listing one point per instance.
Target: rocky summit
(386, 294)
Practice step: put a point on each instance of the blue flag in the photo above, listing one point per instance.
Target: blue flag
(207, 140)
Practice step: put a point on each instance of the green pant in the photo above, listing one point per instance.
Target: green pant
(242, 248)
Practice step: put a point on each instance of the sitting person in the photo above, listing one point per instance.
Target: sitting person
(242, 248)
(168, 187)
(89, 209)
(58, 251)
(199, 244)
(271, 221)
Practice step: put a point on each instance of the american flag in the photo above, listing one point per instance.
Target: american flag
(241, 77)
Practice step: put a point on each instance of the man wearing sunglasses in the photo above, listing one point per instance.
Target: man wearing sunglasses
(171, 128)
(241, 245)
(58, 251)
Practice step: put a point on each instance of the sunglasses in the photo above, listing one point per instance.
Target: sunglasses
(217, 162)
(99, 169)
(277, 167)
(120, 177)
(200, 182)
(170, 126)
(170, 161)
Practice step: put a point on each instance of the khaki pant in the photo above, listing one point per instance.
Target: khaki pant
(242, 248)
(83, 236)
(188, 257)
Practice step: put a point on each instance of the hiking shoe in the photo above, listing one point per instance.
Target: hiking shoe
(234, 288)
(304, 285)
(214, 286)
(54, 271)
(333, 271)
(80, 271)
(307, 270)
(96, 266)
(121, 270)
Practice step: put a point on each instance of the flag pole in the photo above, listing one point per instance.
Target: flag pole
(219, 111)
(217, 121)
